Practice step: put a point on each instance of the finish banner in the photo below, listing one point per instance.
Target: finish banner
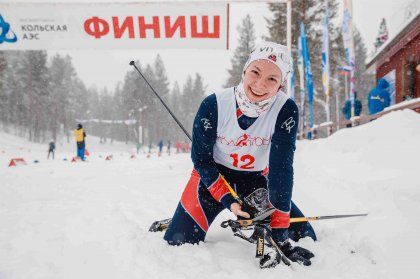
(158, 25)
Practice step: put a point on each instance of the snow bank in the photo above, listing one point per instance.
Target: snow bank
(90, 220)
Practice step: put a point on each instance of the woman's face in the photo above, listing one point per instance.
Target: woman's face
(262, 80)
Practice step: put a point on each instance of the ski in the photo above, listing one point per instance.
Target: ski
(279, 252)
(160, 226)
(261, 235)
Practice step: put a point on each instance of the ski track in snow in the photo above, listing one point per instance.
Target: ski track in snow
(90, 220)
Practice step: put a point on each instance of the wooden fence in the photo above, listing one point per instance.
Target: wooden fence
(331, 127)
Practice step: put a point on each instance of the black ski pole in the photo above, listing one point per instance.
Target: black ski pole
(132, 63)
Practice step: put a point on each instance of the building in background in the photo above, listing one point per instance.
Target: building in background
(398, 61)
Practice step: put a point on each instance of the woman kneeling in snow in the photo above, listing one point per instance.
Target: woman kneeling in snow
(237, 133)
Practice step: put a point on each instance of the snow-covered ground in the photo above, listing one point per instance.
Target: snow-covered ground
(90, 220)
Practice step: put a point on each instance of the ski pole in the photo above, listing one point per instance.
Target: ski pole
(249, 222)
(233, 193)
(163, 224)
(315, 218)
(132, 63)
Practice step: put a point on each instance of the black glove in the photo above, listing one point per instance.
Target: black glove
(252, 211)
(296, 253)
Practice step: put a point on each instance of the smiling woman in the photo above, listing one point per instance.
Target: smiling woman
(262, 80)
(263, 77)
(237, 133)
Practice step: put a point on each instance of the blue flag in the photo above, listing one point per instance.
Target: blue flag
(308, 72)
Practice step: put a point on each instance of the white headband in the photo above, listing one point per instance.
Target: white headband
(275, 53)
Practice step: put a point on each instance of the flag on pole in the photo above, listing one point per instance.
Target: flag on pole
(326, 61)
(349, 46)
(345, 70)
(308, 73)
(301, 84)
(325, 54)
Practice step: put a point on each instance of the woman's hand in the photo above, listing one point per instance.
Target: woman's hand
(237, 210)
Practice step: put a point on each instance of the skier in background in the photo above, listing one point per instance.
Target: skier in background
(237, 133)
(80, 135)
(51, 148)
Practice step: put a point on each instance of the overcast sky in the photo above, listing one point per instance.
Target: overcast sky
(106, 68)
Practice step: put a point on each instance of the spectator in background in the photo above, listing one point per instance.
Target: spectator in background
(51, 148)
(160, 145)
(150, 150)
(347, 109)
(138, 146)
(379, 97)
(169, 148)
(80, 135)
(178, 146)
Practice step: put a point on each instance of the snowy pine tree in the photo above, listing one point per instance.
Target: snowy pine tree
(155, 109)
(161, 85)
(246, 42)
(188, 103)
(382, 35)
(364, 81)
(134, 92)
(62, 76)
(199, 90)
(105, 112)
(311, 13)
(3, 93)
(33, 73)
(177, 106)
